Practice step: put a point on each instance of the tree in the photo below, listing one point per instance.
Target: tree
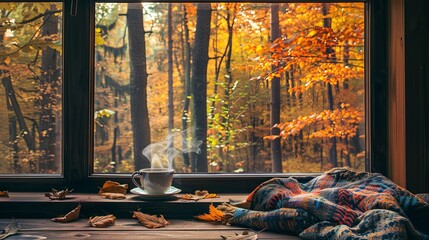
(275, 96)
(49, 85)
(187, 83)
(138, 84)
(330, 55)
(170, 76)
(310, 57)
(199, 83)
(23, 73)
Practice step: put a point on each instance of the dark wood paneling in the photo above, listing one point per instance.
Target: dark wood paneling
(417, 87)
(377, 71)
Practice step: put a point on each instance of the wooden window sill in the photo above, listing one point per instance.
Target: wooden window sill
(36, 205)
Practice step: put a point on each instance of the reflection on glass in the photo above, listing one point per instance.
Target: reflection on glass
(171, 74)
(30, 94)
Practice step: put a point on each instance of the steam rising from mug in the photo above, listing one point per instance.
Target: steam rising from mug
(164, 153)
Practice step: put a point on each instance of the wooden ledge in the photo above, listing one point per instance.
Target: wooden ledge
(36, 205)
(126, 229)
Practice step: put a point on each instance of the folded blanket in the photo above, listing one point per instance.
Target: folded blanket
(339, 204)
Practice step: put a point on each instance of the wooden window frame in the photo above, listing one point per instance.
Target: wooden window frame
(77, 111)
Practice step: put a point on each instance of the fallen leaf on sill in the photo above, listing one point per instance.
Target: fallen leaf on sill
(151, 221)
(69, 217)
(198, 195)
(102, 221)
(112, 195)
(4, 194)
(113, 187)
(246, 235)
(58, 195)
(11, 229)
(214, 215)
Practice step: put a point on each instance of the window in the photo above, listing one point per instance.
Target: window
(95, 91)
(31, 98)
(165, 86)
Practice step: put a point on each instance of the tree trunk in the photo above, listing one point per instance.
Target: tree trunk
(138, 84)
(170, 78)
(187, 84)
(116, 132)
(275, 97)
(25, 131)
(199, 83)
(49, 84)
(330, 56)
(230, 19)
(114, 162)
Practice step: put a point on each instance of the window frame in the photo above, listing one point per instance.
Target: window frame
(78, 57)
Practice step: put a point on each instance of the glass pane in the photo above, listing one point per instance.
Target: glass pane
(229, 87)
(30, 94)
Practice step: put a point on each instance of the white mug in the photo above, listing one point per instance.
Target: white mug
(154, 180)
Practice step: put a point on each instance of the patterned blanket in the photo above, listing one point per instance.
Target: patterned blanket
(339, 204)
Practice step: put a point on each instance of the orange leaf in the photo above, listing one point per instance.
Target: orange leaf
(102, 221)
(198, 195)
(151, 221)
(214, 215)
(113, 195)
(69, 217)
(4, 194)
(113, 187)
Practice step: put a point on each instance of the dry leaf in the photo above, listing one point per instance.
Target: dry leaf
(214, 215)
(113, 187)
(198, 195)
(102, 221)
(69, 217)
(112, 195)
(151, 221)
(246, 235)
(58, 195)
(4, 194)
(11, 229)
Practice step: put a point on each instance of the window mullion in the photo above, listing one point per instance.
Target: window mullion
(76, 91)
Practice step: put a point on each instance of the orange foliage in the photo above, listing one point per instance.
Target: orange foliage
(341, 123)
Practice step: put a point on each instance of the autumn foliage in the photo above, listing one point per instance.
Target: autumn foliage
(318, 59)
(316, 64)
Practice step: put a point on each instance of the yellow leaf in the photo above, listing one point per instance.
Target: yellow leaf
(7, 60)
(198, 195)
(312, 33)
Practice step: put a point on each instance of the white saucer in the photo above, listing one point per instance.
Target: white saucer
(144, 194)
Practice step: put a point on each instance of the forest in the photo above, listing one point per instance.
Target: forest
(210, 87)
